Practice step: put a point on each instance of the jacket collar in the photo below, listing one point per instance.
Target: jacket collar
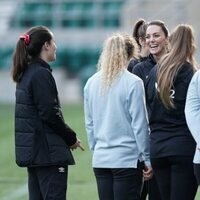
(42, 62)
(151, 59)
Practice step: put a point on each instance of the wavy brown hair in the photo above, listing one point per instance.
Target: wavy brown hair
(182, 50)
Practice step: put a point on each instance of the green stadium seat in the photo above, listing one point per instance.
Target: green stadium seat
(89, 56)
(68, 6)
(72, 23)
(43, 14)
(69, 59)
(89, 15)
(112, 6)
(111, 22)
(111, 10)
(74, 60)
(24, 17)
(88, 5)
(86, 21)
(31, 14)
(28, 7)
(71, 14)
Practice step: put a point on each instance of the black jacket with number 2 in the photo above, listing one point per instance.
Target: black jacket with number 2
(170, 135)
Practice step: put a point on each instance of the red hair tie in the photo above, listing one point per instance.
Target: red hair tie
(26, 38)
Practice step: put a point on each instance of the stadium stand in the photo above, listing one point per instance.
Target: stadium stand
(76, 16)
(69, 13)
(81, 26)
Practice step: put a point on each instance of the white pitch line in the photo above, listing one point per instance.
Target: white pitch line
(17, 193)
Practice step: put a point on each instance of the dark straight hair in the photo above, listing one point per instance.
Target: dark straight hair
(161, 24)
(28, 47)
(139, 31)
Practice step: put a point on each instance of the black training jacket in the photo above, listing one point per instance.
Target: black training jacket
(41, 136)
(133, 62)
(142, 69)
(170, 135)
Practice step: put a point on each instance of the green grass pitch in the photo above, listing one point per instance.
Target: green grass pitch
(13, 180)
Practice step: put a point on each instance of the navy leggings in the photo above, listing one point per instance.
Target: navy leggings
(197, 172)
(118, 184)
(150, 188)
(175, 177)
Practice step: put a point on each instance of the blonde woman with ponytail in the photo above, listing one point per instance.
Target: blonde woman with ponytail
(172, 146)
(116, 123)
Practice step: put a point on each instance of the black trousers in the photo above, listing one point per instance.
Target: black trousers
(197, 172)
(175, 177)
(151, 189)
(118, 184)
(47, 183)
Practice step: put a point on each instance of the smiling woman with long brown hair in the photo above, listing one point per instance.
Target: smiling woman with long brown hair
(171, 143)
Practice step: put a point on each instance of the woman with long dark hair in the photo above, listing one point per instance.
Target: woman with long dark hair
(42, 138)
(171, 143)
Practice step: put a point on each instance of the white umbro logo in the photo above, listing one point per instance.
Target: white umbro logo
(61, 169)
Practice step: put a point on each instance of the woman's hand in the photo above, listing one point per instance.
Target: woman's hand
(147, 173)
(77, 144)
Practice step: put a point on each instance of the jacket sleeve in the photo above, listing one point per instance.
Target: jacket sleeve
(137, 110)
(46, 100)
(132, 64)
(192, 107)
(138, 70)
(89, 121)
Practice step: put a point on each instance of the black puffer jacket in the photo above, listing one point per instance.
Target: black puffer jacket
(41, 136)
